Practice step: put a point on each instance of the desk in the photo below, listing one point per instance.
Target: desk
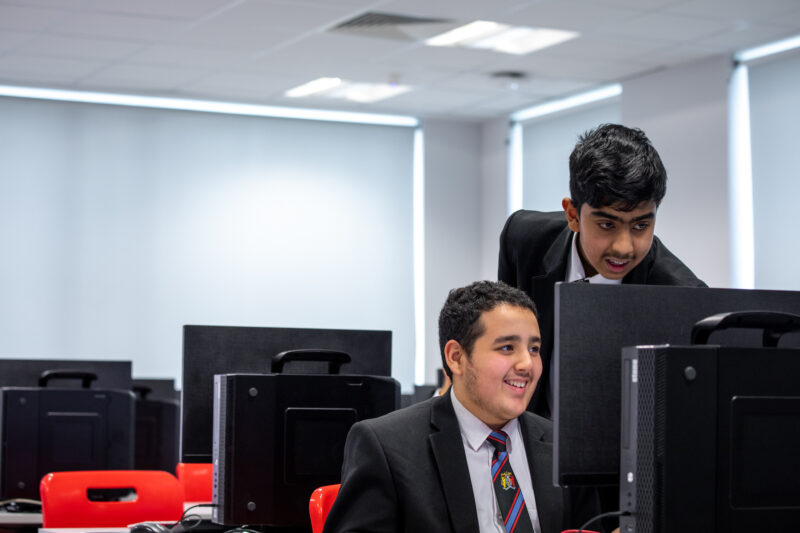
(20, 519)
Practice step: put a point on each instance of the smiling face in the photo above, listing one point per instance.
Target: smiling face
(611, 242)
(496, 380)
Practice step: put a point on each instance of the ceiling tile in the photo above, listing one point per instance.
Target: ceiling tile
(123, 27)
(176, 9)
(79, 48)
(61, 4)
(258, 22)
(570, 15)
(245, 84)
(23, 18)
(11, 40)
(667, 28)
(646, 5)
(745, 37)
(735, 10)
(59, 70)
(190, 56)
(143, 76)
(465, 10)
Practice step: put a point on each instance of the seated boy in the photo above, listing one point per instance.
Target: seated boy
(472, 460)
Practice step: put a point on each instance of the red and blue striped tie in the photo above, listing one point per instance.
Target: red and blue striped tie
(506, 488)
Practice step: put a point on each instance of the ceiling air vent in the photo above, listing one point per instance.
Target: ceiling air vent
(393, 26)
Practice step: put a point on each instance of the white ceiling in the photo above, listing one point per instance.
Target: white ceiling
(253, 50)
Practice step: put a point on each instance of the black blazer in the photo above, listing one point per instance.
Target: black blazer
(534, 252)
(407, 472)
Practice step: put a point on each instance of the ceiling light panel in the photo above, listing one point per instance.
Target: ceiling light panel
(499, 37)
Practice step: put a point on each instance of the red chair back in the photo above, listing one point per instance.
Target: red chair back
(320, 505)
(197, 480)
(65, 500)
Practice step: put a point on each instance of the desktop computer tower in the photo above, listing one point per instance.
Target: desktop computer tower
(277, 437)
(57, 429)
(709, 439)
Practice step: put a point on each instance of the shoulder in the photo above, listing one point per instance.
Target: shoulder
(665, 268)
(525, 220)
(529, 229)
(397, 424)
(537, 426)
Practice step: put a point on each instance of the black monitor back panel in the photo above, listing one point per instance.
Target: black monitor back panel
(278, 437)
(55, 429)
(26, 373)
(156, 388)
(592, 325)
(210, 350)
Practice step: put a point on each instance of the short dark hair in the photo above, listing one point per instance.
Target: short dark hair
(461, 313)
(615, 165)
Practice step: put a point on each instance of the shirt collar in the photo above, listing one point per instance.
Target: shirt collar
(474, 430)
(575, 269)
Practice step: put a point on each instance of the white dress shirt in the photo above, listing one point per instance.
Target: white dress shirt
(479, 460)
(575, 269)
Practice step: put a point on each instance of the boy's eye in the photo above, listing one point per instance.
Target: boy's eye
(641, 226)
(605, 225)
(506, 348)
(534, 349)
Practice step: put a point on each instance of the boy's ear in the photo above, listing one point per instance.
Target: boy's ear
(455, 355)
(571, 213)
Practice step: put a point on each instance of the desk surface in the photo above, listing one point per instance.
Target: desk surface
(20, 519)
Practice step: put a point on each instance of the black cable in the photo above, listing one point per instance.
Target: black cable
(601, 516)
(196, 518)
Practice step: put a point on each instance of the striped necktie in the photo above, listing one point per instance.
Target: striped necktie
(506, 489)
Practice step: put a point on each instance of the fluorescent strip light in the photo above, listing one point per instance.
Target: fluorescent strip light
(420, 363)
(768, 49)
(207, 106)
(555, 106)
(742, 233)
(469, 32)
(519, 41)
(315, 86)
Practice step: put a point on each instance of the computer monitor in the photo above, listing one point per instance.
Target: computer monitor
(54, 417)
(210, 350)
(592, 325)
(26, 372)
(158, 420)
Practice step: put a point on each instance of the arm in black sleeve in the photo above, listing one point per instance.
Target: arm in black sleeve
(367, 501)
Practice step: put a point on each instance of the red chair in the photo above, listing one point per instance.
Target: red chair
(320, 505)
(197, 480)
(65, 500)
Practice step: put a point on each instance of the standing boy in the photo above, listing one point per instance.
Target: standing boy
(603, 235)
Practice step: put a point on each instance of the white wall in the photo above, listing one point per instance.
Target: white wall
(547, 143)
(684, 112)
(119, 225)
(775, 118)
(494, 192)
(452, 220)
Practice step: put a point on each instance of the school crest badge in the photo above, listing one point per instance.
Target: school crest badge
(507, 481)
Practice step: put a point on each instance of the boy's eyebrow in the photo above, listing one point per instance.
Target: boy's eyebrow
(605, 214)
(515, 338)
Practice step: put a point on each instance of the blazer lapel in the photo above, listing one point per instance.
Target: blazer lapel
(448, 452)
(549, 500)
(554, 268)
